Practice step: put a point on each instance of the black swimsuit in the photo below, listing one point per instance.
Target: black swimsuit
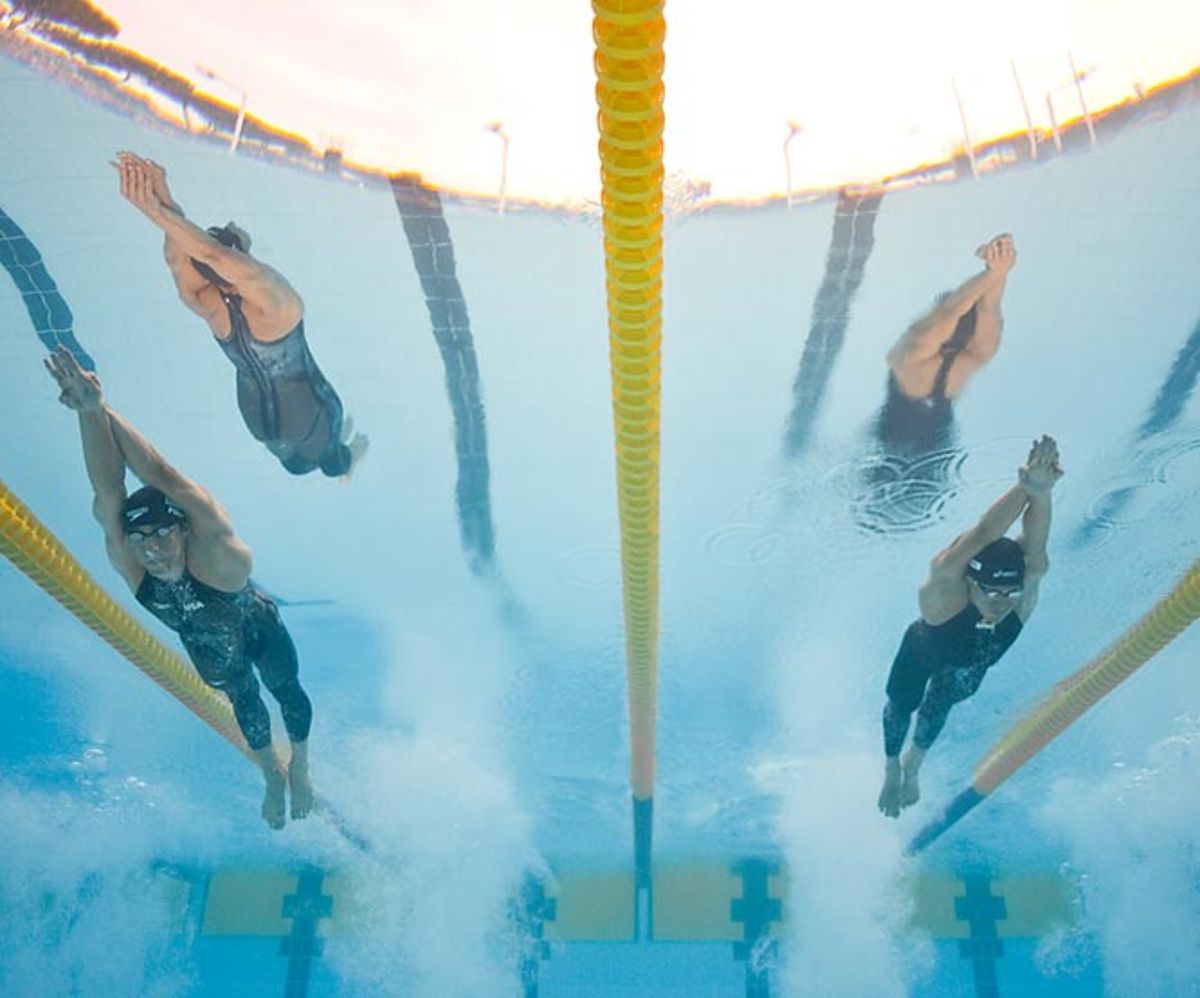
(224, 634)
(910, 479)
(938, 666)
(284, 398)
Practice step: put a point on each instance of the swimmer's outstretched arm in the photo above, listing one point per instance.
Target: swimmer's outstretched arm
(1038, 476)
(252, 279)
(225, 557)
(196, 290)
(951, 561)
(81, 392)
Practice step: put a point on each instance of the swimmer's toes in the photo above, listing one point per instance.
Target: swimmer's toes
(302, 796)
(274, 810)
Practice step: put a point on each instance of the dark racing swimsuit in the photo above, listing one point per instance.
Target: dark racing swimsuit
(284, 398)
(916, 438)
(938, 666)
(225, 634)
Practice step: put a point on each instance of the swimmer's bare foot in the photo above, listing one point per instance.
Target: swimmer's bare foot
(910, 788)
(299, 782)
(889, 796)
(274, 805)
(999, 253)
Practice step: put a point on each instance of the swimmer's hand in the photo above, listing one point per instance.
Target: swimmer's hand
(141, 184)
(1042, 469)
(79, 389)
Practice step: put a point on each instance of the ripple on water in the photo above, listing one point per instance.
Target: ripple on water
(894, 495)
(743, 545)
(1162, 487)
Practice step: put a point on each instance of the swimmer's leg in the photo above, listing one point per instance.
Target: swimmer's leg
(279, 666)
(895, 729)
(945, 690)
(999, 254)
(905, 688)
(255, 723)
(916, 357)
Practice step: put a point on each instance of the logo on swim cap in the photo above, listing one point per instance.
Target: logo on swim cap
(150, 507)
(1000, 563)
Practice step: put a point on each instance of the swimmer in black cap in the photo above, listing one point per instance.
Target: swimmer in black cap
(257, 318)
(980, 592)
(173, 544)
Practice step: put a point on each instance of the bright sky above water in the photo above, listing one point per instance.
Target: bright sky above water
(412, 84)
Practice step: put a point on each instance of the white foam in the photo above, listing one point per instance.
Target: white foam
(1135, 835)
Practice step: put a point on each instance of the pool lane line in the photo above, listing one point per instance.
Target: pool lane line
(48, 309)
(850, 246)
(304, 908)
(432, 250)
(982, 911)
(1168, 405)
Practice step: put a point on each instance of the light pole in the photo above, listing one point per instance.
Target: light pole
(1025, 107)
(793, 129)
(1077, 78)
(962, 116)
(241, 116)
(497, 128)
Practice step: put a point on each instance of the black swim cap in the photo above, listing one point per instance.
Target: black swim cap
(229, 235)
(1001, 563)
(150, 507)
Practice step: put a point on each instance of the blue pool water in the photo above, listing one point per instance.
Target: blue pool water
(457, 604)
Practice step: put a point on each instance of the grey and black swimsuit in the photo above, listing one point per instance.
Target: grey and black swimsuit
(285, 400)
(225, 634)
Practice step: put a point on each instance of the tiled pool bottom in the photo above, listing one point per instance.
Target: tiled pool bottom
(716, 931)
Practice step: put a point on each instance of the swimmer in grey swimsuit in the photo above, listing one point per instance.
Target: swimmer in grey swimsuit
(258, 320)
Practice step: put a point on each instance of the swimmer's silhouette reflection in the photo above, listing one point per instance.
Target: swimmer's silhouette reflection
(48, 309)
(433, 255)
(258, 321)
(850, 245)
(1164, 413)
(910, 475)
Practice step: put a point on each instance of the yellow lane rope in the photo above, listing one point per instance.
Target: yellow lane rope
(29, 545)
(1083, 689)
(629, 91)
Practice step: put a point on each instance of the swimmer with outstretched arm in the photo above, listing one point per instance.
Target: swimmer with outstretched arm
(980, 592)
(174, 546)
